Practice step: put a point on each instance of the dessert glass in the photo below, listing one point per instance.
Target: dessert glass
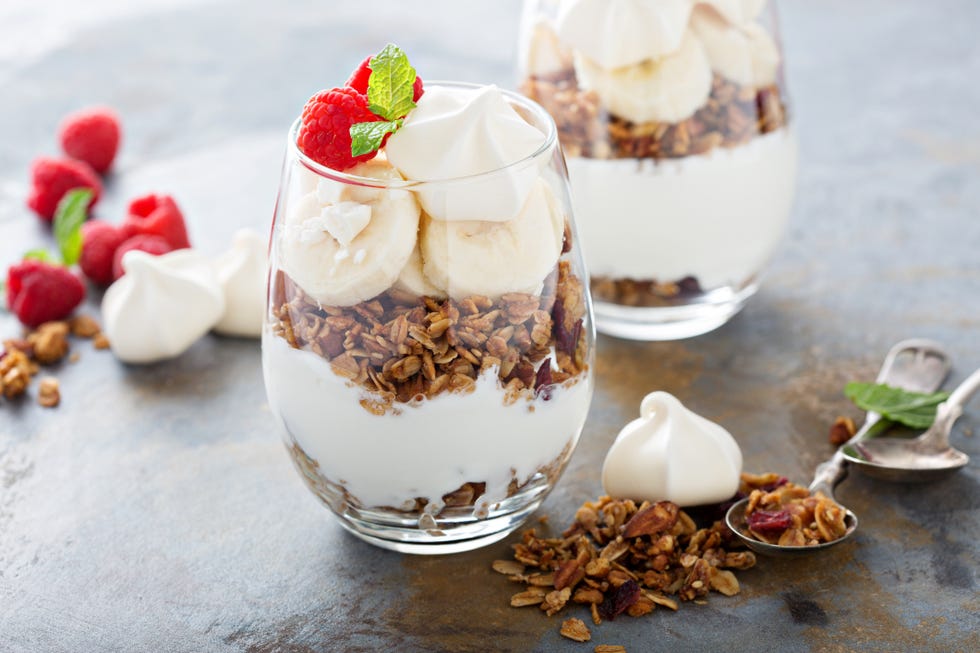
(683, 165)
(427, 420)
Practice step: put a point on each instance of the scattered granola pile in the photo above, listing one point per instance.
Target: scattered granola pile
(619, 557)
(22, 358)
(647, 293)
(732, 116)
(403, 348)
(783, 513)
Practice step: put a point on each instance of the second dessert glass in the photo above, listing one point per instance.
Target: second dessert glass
(431, 376)
(673, 117)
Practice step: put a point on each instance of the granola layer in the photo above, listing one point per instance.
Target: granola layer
(732, 116)
(644, 293)
(465, 496)
(404, 349)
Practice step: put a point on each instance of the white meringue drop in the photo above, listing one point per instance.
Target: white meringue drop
(672, 454)
(242, 272)
(161, 306)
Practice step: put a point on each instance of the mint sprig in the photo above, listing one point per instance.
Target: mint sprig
(391, 93)
(913, 409)
(367, 137)
(39, 254)
(68, 220)
(391, 84)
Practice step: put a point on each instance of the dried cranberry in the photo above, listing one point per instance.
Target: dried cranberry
(565, 339)
(620, 600)
(769, 521)
(689, 286)
(543, 380)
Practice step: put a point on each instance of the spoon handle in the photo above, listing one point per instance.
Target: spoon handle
(963, 392)
(828, 474)
(937, 437)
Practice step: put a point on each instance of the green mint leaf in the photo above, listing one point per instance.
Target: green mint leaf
(390, 86)
(366, 137)
(68, 220)
(913, 409)
(42, 255)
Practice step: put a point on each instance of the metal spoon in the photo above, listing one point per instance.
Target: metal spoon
(926, 458)
(917, 365)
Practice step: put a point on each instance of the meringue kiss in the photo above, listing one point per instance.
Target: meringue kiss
(162, 305)
(672, 454)
(242, 271)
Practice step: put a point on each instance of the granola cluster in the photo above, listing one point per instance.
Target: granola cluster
(620, 557)
(403, 348)
(22, 358)
(732, 116)
(645, 293)
(783, 513)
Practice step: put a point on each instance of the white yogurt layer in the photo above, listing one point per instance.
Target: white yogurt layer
(427, 450)
(716, 216)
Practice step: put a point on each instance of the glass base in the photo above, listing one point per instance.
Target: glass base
(453, 530)
(692, 317)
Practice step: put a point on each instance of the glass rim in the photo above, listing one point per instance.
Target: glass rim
(547, 145)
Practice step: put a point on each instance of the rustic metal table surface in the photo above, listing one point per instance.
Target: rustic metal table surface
(155, 509)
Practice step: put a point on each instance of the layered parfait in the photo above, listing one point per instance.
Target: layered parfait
(673, 116)
(428, 339)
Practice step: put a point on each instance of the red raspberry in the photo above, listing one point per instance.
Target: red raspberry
(91, 135)
(359, 80)
(52, 178)
(157, 215)
(324, 133)
(39, 292)
(145, 243)
(100, 240)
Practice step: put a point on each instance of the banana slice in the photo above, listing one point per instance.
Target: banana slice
(344, 244)
(745, 54)
(412, 279)
(738, 12)
(493, 258)
(670, 89)
(616, 33)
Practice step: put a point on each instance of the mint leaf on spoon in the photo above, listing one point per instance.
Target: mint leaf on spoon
(913, 409)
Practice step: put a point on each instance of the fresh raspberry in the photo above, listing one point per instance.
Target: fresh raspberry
(52, 178)
(39, 292)
(91, 135)
(359, 80)
(324, 133)
(145, 243)
(100, 240)
(157, 215)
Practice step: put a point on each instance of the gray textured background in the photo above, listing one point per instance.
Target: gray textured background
(155, 509)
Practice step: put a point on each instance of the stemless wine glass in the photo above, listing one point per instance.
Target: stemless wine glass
(673, 117)
(428, 415)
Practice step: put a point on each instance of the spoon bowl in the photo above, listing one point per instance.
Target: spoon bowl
(736, 522)
(928, 457)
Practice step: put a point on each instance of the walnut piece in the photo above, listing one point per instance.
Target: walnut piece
(50, 342)
(48, 393)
